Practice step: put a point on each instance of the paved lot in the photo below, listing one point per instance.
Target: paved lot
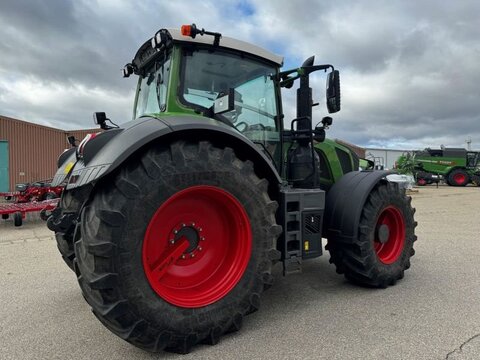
(434, 313)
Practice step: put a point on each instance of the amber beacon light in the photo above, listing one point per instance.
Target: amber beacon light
(192, 31)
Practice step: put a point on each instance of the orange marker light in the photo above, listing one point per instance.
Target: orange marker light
(186, 30)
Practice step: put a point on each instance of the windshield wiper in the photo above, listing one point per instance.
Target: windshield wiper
(207, 95)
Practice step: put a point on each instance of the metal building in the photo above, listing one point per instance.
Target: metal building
(385, 158)
(29, 152)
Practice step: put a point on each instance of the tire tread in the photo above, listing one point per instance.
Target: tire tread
(103, 218)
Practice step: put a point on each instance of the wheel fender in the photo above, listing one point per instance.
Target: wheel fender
(65, 163)
(101, 159)
(345, 202)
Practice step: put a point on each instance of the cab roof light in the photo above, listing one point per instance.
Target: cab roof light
(128, 70)
(162, 37)
(192, 31)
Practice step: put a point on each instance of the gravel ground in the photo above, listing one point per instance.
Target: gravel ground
(433, 313)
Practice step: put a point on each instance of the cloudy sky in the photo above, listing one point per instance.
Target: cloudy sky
(410, 70)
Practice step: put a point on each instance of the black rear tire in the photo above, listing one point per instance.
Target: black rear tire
(113, 224)
(69, 206)
(5, 216)
(476, 180)
(50, 195)
(360, 261)
(17, 219)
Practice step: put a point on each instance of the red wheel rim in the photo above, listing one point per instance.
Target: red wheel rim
(421, 182)
(459, 178)
(389, 235)
(197, 246)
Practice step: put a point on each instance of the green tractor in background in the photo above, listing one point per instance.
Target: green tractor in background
(456, 166)
(173, 221)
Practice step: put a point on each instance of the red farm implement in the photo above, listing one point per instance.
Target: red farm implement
(37, 191)
(10, 195)
(19, 210)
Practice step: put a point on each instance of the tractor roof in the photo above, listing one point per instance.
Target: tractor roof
(146, 53)
(228, 42)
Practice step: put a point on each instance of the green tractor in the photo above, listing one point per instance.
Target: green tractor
(456, 166)
(173, 221)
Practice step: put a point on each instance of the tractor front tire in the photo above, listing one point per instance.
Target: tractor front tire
(177, 247)
(458, 177)
(381, 253)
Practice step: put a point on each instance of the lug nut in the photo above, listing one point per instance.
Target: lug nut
(200, 248)
(183, 256)
(175, 231)
(193, 224)
(200, 229)
(192, 255)
(183, 225)
(202, 238)
(172, 241)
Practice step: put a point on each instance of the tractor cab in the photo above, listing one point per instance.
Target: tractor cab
(196, 72)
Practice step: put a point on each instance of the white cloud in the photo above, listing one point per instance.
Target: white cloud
(72, 105)
(410, 71)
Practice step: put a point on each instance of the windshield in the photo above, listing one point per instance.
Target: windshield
(152, 89)
(209, 75)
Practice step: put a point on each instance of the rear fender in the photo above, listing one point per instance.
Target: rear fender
(345, 202)
(65, 163)
(100, 160)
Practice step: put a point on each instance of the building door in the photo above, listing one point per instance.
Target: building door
(4, 185)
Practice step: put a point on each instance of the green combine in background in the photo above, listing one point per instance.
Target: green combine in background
(456, 166)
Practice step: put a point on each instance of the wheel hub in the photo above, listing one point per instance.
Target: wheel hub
(383, 233)
(197, 246)
(191, 233)
(459, 178)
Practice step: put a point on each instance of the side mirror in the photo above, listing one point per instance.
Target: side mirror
(333, 92)
(225, 103)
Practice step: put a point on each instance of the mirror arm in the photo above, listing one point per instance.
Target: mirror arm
(309, 69)
(283, 74)
(288, 80)
(302, 71)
